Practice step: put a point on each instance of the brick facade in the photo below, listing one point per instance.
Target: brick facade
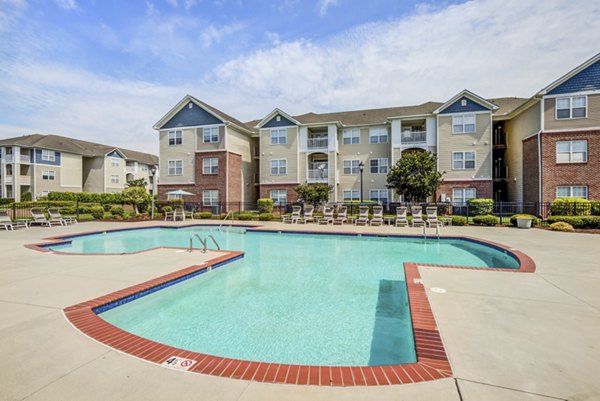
(483, 188)
(292, 195)
(570, 174)
(530, 170)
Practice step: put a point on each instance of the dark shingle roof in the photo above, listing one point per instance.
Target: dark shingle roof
(507, 105)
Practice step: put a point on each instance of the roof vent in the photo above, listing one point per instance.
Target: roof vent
(190, 105)
(278, 118)
(463, 102)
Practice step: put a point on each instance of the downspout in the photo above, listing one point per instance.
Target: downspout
(539, 143)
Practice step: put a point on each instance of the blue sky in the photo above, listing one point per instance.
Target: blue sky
(107, 70)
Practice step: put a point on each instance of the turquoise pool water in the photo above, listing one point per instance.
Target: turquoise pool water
(294, 298)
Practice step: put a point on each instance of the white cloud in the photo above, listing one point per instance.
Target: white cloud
(323, 6)
(213, 34)
(66, 4)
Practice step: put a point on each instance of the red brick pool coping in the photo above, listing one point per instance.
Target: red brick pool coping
(432, 361)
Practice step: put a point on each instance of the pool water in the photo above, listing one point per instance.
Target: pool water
(294, 298)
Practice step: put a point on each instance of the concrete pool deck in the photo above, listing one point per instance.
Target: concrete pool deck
(508, 336)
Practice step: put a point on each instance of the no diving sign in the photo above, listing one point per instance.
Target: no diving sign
(176, 362)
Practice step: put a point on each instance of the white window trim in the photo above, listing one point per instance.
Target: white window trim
(379, 191)
(571, 152)
(279, 191)
(570, 107)
(371, 135)
(379, 165)
(587, 191)
(463, 115)
(351, 136)
(463, 197)
(115, 161)
(210, 166)
(50, 155)
(352, 197)
(271, 130)
(175, 132)
(48, 174)
(211, 127)
(114, 179)
(169, 168)
(210, 201)
(278, 167)
(464, 159)
(357, 167)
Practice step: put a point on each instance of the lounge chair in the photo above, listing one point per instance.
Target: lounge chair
(308, 214)
(417, 216)
(327, 216)
(293, 218)
(55, 215)
(432, 217)
(363, 216)
(7, 222)
(40, 218)
(401, 220)
(342, 215)
(188, 213)
(377, 218)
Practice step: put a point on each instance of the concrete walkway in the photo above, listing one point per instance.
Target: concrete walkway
(508, 336)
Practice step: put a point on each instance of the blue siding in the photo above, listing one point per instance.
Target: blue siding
(114, 153)
(187, 117)
(283, 122)
(38, 158)
(586, 80)
(456, 107)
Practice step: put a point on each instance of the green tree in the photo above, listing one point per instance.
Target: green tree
(314, 193)
(135, 196)
(140, 182)
(415, 176)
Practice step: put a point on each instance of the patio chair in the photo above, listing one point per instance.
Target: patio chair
(308, 214)
(342, 215)
(363, 216)
(40, 218)
(377, 218)
(7, 222)
(188, 212)
(327, 216)
(401, 220)
(293, 218)
(179, 212)
(55, 215)
(432, 217)
(417, 216)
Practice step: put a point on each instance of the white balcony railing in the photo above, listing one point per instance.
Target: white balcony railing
(410, 137)
(8, 158)
(25, 180)
(317, 175)
(25, 159)
(317, 143)
(130, 169)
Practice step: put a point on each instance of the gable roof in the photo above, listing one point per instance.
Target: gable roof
(507, 105)
(272, 114)
(571, 74)
(470, 95)
(76, 146)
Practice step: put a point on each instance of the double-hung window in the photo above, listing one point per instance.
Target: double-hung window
(278, 167)
(379, 195)
(379, 166)
(463, 160)
(278, 136)
(351, 195)
(48, 175)
(210, 134)
(572, 192)
(115, 161)
(351, 136)
(175, 138)
(210, 197)
(463, 124)
(279, 197)
(210, 165)
(571, 107)
(48, 155)
(378, 135)
(461, 195)
(114, 179)
(351, 167)
(571, 151)
(175, 167)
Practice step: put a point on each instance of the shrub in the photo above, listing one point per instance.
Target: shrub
(205, 215)
(265, 216)
(459, 220)
(26, 196)
(480, 206)
(561, 226)
(68, 210)
(486, 220)
(570, 207)
(97, 212)
(591, 221)
(85, 217)
(245, 216)
(87, 207)
(534, 220)
(6, 201)
(595, 208)
(167, 209)
(575, 221)
(117, 211)
(265, 205)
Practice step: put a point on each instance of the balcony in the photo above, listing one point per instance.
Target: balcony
(8, 158)
(317, 175)
(130, 169)
(413, 137)
(25, 159)
(317, 143)
(24, 180)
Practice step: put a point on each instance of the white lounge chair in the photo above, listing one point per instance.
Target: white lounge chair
(363, 216)
(293, 218)
(7, 222)
(417, 216)
(432, 217)
(55, 215)
(342, 215)
(327, 216)
(377, 218)
(307, 217)
(40, 218)
(401, 220)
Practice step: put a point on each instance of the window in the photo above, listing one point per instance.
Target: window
(48, 156)
(278, 136)
(463, 124)
(379, 195)
(145, 169)
(279, 197)
(461, 195)
(175, 138)
(115, 161)
(48, 175)
(210, 197)
(571, 107)
(175, 167)
(572, 192)
(351, 136)
(210, 134)
(378, 135)
(571, 151)
(114, 179)
(351, 167)
(278, 167)
(463, 160)
(379, 166)
(210, 165)
(351, 195)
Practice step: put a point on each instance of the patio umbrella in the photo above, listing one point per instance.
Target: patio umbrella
(179, 192)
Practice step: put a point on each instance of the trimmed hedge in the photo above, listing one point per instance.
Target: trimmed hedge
(577, 221)
(486, 220)
(534, 220)
(570, 207)
(459, 221)
(265, 205)
(561, 226)
(85, 197)
(26, 197)
(480, 206)
(265, 216)
(97, 212)
(6, 201)
(205, 215)
(117, 211)
(245, 216)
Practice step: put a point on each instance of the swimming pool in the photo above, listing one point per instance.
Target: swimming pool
(334, 300)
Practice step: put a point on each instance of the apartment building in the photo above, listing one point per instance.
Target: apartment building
(207, 153)
(41, 164)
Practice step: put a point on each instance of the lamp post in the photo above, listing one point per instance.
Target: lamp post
(361, 168)
(153, 171)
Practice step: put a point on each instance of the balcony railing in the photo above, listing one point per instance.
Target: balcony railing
(8, 158)
(317, 175)
(414, 137)
(25, 159)
(130, 169)
(318, 143)
(25, 180)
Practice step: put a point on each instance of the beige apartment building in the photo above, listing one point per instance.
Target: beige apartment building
(41, 164)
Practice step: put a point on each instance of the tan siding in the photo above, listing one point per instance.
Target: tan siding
(210, 146)
(72, 170)
(184, 152)
(109, 171)
(48, 185)
(289, 151)
(480, 142)
(592, 120)
(93, 174)
(240, 143)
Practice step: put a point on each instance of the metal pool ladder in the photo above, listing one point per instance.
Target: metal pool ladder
(203, 242)
(437, 232)
(229, 213)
